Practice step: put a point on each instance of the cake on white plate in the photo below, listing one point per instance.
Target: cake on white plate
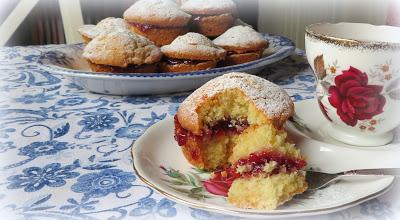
(233, 125)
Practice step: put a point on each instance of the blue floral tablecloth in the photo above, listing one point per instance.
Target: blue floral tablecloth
(65, 153)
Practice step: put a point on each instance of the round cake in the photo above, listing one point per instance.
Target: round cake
(122, 52)
(159, 20)
(210, 17)
(191, 52)
(233, 125)
(242, 43)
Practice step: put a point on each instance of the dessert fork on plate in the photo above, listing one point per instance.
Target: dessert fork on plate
(317, 180)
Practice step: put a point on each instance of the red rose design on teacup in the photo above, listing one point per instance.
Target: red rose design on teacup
(353, 98)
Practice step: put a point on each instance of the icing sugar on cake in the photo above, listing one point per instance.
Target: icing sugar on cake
(192, 43)
(105, 26)
(121, 48)
(192, 38)
(239, 36)
(156, 11)
(209, 6)
(268, 97)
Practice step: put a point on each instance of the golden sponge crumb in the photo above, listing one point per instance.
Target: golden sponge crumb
(215, 153)
(260, 137)
(261, 192)
(230, 104)
(230, 148)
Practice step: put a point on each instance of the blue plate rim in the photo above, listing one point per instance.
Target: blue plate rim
(281, 53)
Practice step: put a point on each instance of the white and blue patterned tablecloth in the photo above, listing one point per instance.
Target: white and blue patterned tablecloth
(65, 153)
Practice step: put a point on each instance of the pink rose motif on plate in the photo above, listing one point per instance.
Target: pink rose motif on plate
(353, 98)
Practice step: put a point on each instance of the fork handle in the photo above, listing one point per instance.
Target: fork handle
(383, 171)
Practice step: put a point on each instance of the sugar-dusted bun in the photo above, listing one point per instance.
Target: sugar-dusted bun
(193, 46)
(159, 20)
(233, 125)
(241, 39)
(160, 13)
(269, 99)
(105, 26)
(121, 48)
(209, 7)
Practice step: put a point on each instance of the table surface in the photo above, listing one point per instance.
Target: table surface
(65, 153)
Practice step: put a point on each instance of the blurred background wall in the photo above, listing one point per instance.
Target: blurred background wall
(286, 17)
(289, 17)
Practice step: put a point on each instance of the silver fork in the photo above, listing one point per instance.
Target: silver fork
(317, 180)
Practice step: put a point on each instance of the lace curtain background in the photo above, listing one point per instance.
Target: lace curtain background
(44, 24)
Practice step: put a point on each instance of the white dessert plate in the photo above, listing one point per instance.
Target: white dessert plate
(67, 60)
(158, 161)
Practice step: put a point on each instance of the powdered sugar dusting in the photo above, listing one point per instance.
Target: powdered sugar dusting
(193, 42)
(165, 9)
(121, 48)
(209, 5)
(239, 36)
(192, 38)
(268, 97)
(105, 26)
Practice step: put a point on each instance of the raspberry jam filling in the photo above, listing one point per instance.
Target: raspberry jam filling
(243, 52)
(264, 162)
(145, 27)
(221, 127)
(129, 68)
(268, 162)
(173, 61)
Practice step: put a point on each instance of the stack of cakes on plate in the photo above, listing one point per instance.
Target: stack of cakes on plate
(171, 36)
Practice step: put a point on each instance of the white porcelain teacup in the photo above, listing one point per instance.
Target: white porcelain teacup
(357, 70)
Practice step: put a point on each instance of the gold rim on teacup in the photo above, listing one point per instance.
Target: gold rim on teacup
(346, 42)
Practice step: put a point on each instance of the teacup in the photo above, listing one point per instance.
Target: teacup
(357, 71)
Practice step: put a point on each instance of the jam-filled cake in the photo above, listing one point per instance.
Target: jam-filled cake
(242, 43)
(122, 52)
(159, 20)
(233, 125)
(191, 52)
(210, 17)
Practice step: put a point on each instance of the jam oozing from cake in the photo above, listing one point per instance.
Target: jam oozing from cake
(221, 127)
(242, 52)
(145, 68)
(264, 162)
(173, 61)
(236, 126)
(268, 162)
(145, 27)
